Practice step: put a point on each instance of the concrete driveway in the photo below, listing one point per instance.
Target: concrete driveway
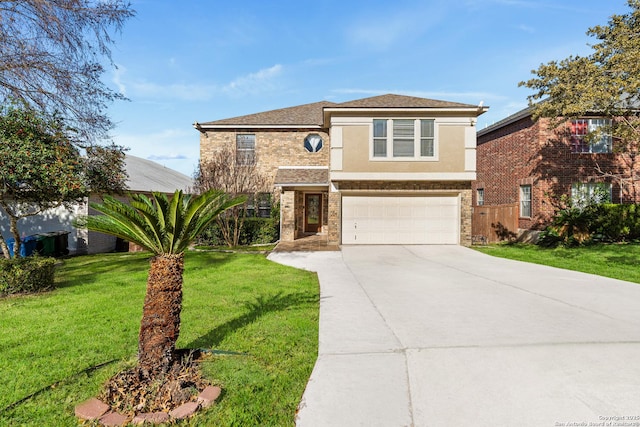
(447, 336)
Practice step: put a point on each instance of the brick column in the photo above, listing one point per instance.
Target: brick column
(288, 217)
(465, 217)
(335, 217)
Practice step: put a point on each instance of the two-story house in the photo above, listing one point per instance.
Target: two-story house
(388, 169)
(525, 166)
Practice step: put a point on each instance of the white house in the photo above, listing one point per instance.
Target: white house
(145, 176)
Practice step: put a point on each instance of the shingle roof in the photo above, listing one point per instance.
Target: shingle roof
(312, 114)
(526, 112)
(400, 101)
(302, 176)
(301, 115)
(146, 176)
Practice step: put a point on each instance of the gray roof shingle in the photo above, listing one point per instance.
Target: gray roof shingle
(301, 115)
(312, 114)
(400, 101)
(302, 176)
(147, 176)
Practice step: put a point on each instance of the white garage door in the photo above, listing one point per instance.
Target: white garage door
(400, 220)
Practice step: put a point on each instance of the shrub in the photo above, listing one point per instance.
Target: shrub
(258, 231)
(616, 223)
(255, 230)
(26, 275)
(604, 222)
(549, 238)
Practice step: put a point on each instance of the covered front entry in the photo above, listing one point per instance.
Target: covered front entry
(304, 195)
(312, 213)
(401, 219)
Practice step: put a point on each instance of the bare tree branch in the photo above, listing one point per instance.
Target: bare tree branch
(53, 55)
(223, 172)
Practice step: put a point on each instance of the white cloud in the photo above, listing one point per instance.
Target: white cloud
(526, 28)
(177, 148)
(254, 82)
(117, 79)
(141, 90)
(155, 157)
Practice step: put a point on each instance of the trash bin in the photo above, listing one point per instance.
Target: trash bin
(10, 241)
(29, 244)
(27, 247)
(46, 244)
(61, 243)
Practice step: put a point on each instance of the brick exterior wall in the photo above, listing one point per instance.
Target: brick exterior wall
(274, 147)
(527, 152)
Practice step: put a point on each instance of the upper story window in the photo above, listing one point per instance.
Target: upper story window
(525, 201)
(480, 196)
(245, 149)
(404, 139)
(580, 128)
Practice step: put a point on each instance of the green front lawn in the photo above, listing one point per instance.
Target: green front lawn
(619, 261)
(263, 317)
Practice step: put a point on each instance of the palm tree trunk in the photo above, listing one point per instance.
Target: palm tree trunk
(160, 325)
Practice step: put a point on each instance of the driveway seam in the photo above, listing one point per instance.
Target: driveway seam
(525, 345)
(397, 338)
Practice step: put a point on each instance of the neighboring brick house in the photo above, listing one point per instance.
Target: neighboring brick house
(528, 164)
(388, 169)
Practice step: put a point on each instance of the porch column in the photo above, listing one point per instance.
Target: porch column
(288, 217)
(334, 221)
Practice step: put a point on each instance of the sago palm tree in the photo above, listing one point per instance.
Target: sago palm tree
(165, 227)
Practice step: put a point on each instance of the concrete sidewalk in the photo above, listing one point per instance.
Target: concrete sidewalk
(446, 336)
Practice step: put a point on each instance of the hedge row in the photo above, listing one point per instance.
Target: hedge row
(253, 231)
(26, 275)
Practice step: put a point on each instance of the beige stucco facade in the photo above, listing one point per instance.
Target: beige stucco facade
(355, 153)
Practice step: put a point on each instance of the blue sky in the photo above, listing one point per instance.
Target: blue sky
(202, 60)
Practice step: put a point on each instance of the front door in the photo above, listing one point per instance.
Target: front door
(312, 212)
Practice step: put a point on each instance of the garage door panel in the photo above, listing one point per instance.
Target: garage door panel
(400, 220)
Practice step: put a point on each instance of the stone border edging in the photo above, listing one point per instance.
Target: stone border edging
(94, 409)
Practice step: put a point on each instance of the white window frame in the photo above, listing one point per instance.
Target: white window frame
(524, 200)
(245, 156)
(602, 146)
(583, 192)
(417, 141)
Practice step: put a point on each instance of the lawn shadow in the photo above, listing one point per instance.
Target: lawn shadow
(260, 307)
(87, 269)
(622, 259)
